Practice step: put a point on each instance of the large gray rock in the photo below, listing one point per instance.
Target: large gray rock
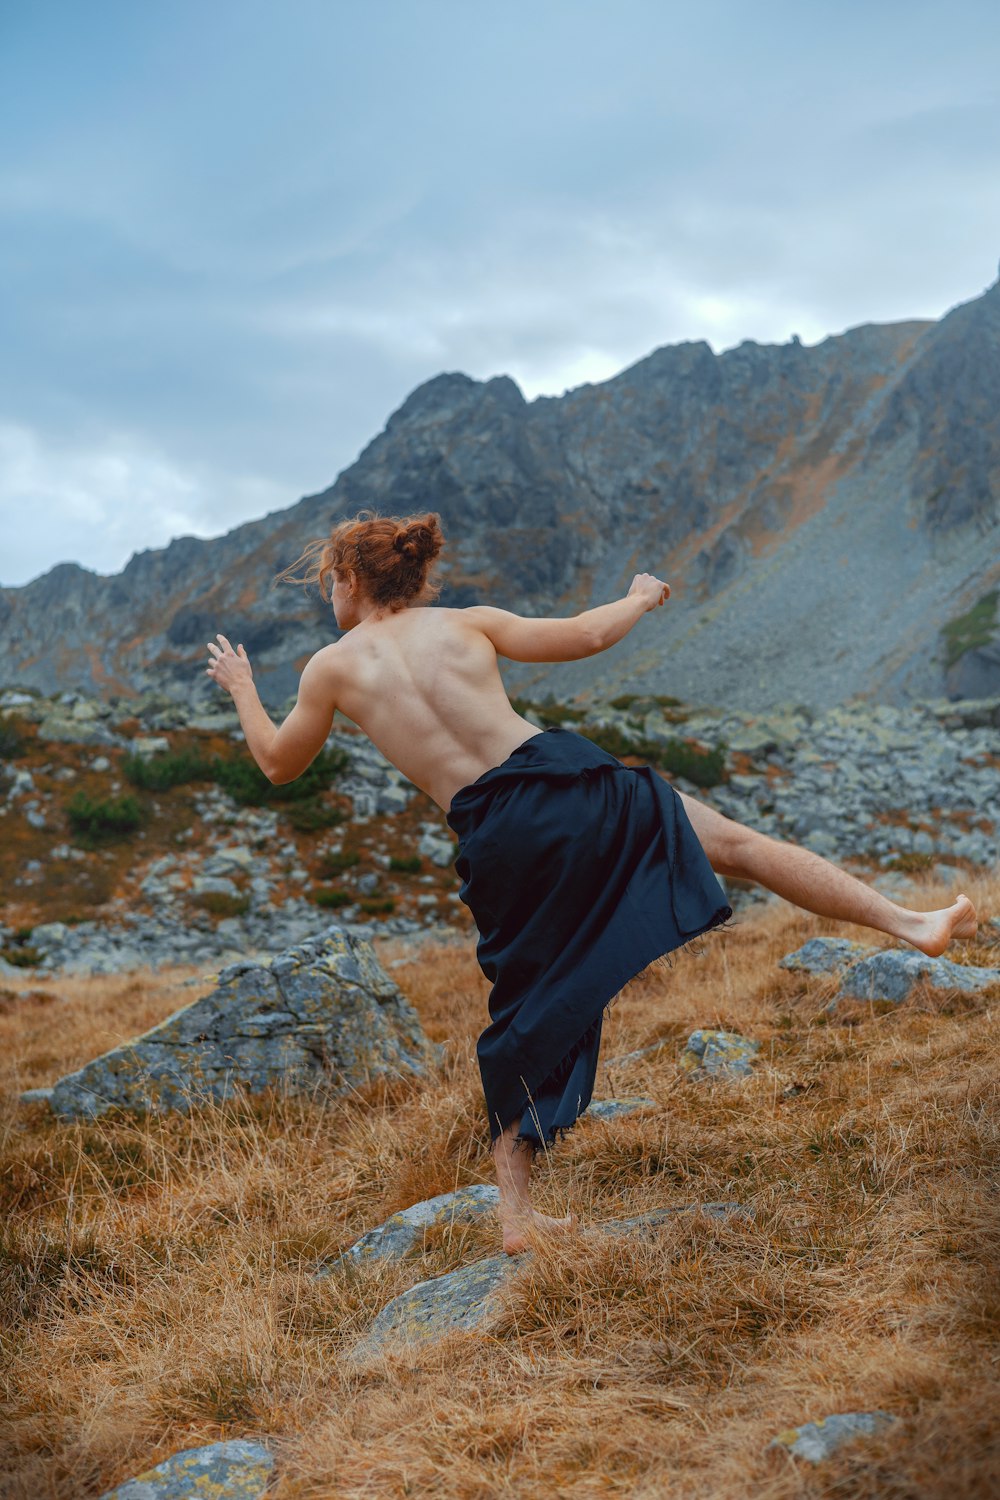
(235, 1470)
(817, 1440)
(324, 1009)
(464, 1299)
(892, 974)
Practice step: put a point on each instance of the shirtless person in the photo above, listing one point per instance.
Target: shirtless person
(423, 683)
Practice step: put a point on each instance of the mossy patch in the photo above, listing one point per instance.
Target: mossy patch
(973, 629)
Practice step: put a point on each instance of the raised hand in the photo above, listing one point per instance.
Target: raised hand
(654, 590)
(230, 669)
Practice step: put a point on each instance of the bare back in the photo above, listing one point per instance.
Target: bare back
(425, 687)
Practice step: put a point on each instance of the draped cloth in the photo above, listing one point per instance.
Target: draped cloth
(579, 872)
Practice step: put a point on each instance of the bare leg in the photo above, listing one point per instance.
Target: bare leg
(517, 1217)
(815, 884)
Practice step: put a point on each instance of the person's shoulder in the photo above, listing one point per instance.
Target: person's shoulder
(331, 659)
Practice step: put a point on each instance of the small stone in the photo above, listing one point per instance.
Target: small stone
(438, 850)
(817, 1440)
(614, 1109)
(400, 1233)
(824, 955)
(238, 1469)
(213, 885)
(718, 1054)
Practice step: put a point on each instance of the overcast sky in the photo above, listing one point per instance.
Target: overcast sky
(235, 235)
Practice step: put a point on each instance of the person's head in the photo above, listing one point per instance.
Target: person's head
(372, 565)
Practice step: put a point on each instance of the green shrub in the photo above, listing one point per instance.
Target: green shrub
(911, 863)
(222, 904)
(245, 782)
(379, 907)
(155, 773)
(559, 713)
(616, 743)
(13, 741)
(99, 819)
(335, 860)
(409, 864)
(974, 628)
(331, 897)
(22, 956)
(311, 815)
(702, 767)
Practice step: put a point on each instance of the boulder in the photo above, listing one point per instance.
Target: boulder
(892, 973)
(321, 1010)
(718, 1054)
(817, 1440)
(66, 730)
(237, 1469)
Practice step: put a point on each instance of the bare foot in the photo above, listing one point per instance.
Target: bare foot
(517, 1231)
(934, 930)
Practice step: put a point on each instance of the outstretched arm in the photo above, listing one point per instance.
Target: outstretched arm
(522, 638)
(282, 754)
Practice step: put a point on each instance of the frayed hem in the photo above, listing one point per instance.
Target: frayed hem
(665, 961)
(659, 965)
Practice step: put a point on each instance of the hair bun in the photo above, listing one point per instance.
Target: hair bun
(416, 542)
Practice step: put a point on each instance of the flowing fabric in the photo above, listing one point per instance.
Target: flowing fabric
(579, 872)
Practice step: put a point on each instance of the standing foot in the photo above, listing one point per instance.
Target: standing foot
(932, 931)
(518, 1229)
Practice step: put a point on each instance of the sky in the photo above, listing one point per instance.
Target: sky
(234, 237)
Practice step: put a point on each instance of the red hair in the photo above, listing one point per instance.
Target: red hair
(391, 556)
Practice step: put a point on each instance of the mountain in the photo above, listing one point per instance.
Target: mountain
(823, 514)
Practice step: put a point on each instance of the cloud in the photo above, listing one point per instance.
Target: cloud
(233, 239)
(99, 503)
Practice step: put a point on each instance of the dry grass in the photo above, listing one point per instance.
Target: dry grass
(156, 1277)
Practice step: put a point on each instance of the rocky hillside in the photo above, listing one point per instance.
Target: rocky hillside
(827, 518)
(132, 840)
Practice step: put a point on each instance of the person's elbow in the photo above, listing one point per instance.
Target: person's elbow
(278, 778)
(592, 640)
(279, 774)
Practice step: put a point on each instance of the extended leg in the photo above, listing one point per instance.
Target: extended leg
(517, 1217)
(818, 886)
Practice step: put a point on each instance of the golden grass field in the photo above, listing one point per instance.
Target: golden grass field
(156, 1274)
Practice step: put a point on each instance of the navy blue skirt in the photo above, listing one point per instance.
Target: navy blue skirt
(579, 872)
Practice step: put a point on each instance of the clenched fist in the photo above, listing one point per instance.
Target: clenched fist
(653, 590)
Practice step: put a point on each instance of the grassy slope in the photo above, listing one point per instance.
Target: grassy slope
(156, 1280)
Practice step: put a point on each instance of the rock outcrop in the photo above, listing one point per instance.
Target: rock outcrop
(324, 1011)
(465, 1299)
(868, 973)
